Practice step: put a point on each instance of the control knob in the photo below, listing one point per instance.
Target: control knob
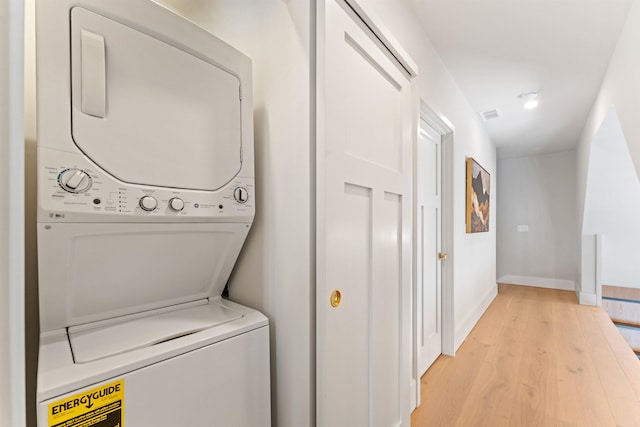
(74, 180)
(241, 195)
(176, 204)
(148, 203)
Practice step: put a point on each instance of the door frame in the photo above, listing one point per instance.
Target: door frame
(445, 128)
(12, 324)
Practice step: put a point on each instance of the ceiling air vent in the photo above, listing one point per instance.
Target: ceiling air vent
(489, 115)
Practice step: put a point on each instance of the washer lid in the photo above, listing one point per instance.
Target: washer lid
(151, 113)
(94, 342)
(90, 272)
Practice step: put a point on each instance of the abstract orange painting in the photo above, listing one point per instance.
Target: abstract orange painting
(478, 186)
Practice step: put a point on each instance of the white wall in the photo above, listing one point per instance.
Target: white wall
(12, 380)
(273, 273)
(612, 205)
(474, 255)
(620, 88)
(538, 192)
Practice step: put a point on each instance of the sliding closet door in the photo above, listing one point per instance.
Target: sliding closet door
(364, 219)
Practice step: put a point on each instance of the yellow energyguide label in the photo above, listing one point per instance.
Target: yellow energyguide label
(102, 406)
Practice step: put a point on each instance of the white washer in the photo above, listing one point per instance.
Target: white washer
(145, 197)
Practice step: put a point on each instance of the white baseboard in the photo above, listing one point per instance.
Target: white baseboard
(587, 298)
(464, 328)
(539, 282)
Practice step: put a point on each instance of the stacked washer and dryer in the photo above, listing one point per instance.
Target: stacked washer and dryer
(145, 197)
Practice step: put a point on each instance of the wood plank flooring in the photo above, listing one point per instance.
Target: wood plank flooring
(536, 358)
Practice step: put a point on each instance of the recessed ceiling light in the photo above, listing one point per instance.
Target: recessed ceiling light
(530, 100)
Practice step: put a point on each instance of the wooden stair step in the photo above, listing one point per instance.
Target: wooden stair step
(623, 311)
(619, 292)
(631, 335)
(625, 322)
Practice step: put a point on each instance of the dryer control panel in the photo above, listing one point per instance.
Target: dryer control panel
(72, 188)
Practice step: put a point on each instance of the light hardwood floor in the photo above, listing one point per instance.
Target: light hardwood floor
(536, 358)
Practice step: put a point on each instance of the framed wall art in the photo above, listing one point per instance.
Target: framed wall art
(478, 197)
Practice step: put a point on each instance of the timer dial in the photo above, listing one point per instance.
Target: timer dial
(241, 195)
(148, 203)
(74, 180)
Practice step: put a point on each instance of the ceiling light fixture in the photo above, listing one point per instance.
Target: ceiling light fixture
(530, 100)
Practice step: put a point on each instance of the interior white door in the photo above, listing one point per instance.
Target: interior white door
(429, 244)
(364, 226)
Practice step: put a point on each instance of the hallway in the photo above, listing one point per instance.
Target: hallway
(536, 358)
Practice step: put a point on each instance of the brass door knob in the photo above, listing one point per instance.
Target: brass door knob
(442, 256)
(335, 299)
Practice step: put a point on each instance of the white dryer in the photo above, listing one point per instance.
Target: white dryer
(145, 197)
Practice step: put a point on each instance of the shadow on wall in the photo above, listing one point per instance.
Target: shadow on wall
(246, 283)
(32, 320)
(612, 206)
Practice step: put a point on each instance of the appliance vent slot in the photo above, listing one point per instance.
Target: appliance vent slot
(490, 115)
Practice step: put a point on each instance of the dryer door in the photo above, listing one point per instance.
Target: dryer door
(151, 113)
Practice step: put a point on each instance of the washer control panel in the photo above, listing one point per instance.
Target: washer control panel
(71, 187)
